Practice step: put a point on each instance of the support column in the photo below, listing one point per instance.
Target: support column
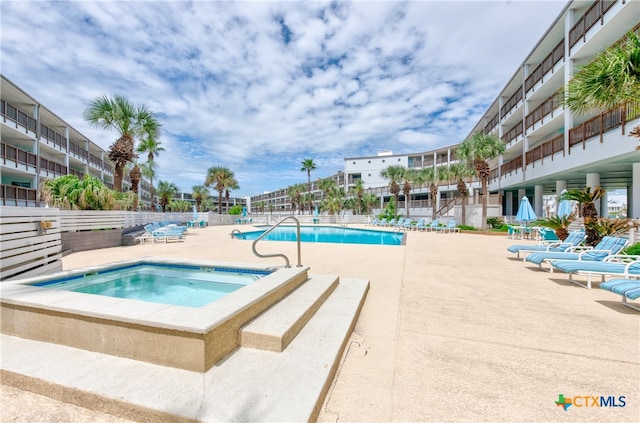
(633, 193)
(521, 193)
(509, 203)
(560, 185)
(538, 203)
(593, 181)
(604, 205)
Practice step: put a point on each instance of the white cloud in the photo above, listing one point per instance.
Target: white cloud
(260, 86)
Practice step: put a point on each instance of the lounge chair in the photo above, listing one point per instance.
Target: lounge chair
(575, 238)
(619, 265)
(609, 245)
(408, 225)
(399, 223)
(452, 226)
(164, 234)
(390, 223)
(433, 226)
(628, 288)
(372, 222)
(547, 234)
(421, 224)
(382, 222)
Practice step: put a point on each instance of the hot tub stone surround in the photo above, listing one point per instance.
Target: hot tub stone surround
(188, 338)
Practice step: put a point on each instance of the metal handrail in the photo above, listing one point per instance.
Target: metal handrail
(286, 259)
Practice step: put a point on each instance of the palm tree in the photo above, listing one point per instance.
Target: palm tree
(460, 172)
(370, 201)
(307, 166)
(199, 194)
(333, 201)
(148, 170)
(559, 224)
(433, 175)
(295, 192)
(410, 176)
(394, 174)
(166, 191)
(223, 180)
(129, 121)
(589, 211)
(151, 146)
(477, 150)
(610, 80)
(358, 190)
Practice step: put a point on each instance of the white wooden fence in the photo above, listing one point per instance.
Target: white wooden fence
(29, 242)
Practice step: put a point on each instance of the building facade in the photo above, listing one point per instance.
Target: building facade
(549, 148)
(36, 145)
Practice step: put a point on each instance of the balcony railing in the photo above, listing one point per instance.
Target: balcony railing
(18, 116)
(17, 196)
(51, 166)
(602, 123)
(546, 108)
(512, 166)
(53, 137)
(77, 173)
(513, 133)
(95, 161)
(546, 149)
(9, 152)
(491, 124)
(78, 151)
(594, 127)
(594, 14)
(547, 65)
(512, 102)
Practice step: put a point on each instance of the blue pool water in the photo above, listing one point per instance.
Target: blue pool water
(328, 234)
(182, 285)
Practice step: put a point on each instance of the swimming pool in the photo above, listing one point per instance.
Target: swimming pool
(181, 285)
(328, 234)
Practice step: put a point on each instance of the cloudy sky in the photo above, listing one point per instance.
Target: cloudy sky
(260, 86)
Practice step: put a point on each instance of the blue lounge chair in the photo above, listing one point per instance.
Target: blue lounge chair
(547, 234)
(451, 226)
(621, 265)
(574, 239)
(399, 223)
(408, 225)
(433, 226)
(609, 245)
(628, 288)
(421, 224)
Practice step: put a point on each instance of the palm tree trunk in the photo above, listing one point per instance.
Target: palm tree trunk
(118, 176)
(463, 210)
(484, 203)
(219, 201)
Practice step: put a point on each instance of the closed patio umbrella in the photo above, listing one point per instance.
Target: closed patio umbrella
(564, 207)
(525, 211)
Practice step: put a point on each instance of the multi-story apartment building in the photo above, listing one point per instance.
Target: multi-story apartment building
(36, 145)
(549, 148)
(279, 201)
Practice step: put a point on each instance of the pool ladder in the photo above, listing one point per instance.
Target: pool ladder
(286, 259)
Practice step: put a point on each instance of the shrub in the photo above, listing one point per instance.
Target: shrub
(632, 250)
(494, 222)
(235, 210)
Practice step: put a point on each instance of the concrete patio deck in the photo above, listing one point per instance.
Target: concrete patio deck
(453, 329)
